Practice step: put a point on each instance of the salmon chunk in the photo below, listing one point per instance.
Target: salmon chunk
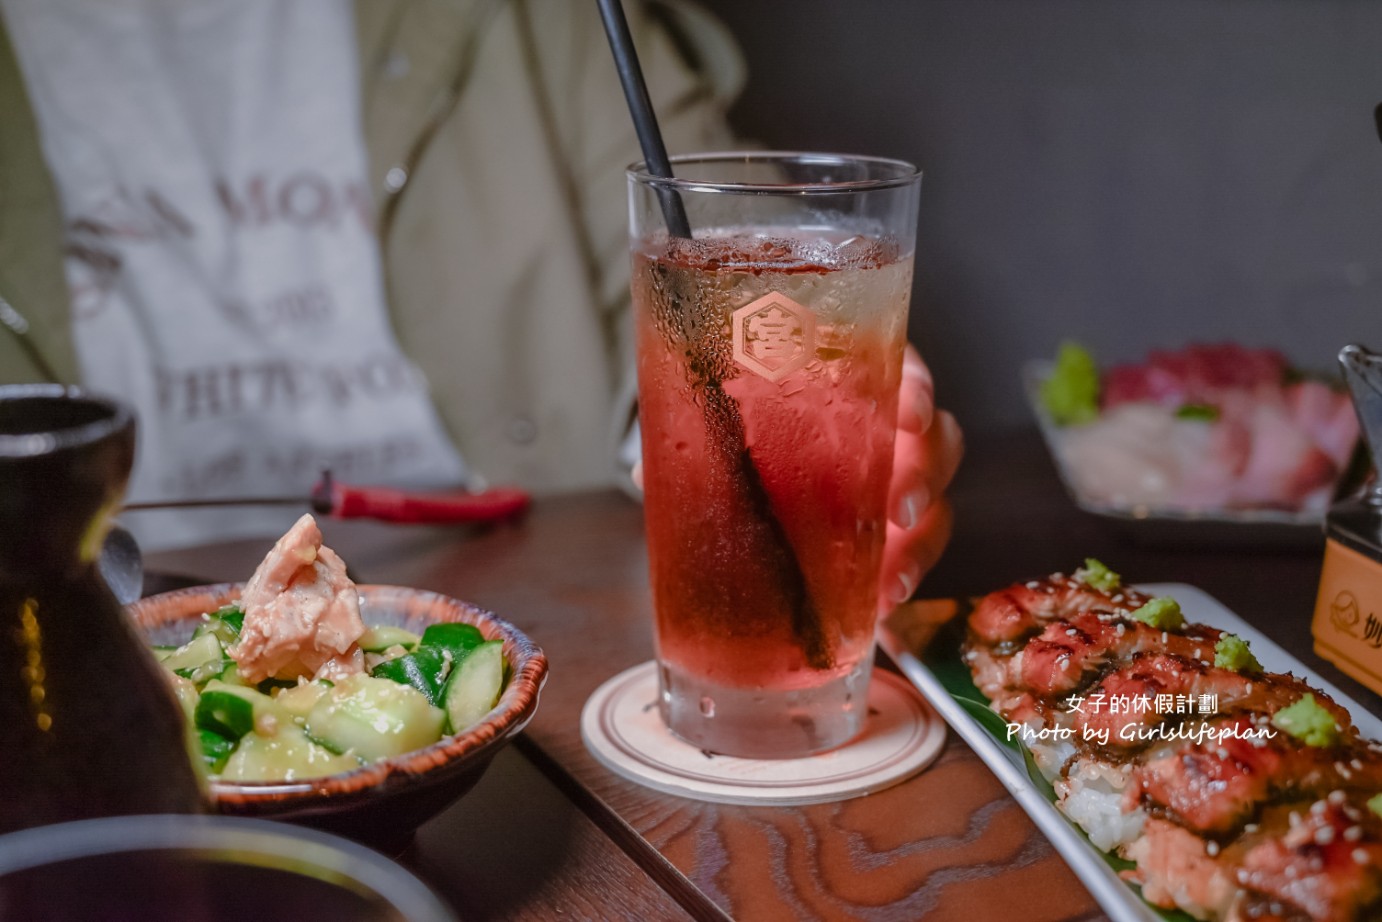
(302, 613)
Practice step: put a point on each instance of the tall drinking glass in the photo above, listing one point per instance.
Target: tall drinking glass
(769, 357)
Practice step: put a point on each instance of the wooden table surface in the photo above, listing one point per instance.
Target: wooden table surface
(549, 833)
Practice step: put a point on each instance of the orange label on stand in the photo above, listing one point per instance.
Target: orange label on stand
(1348, 614)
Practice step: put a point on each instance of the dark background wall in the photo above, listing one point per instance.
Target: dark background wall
(1132, 173)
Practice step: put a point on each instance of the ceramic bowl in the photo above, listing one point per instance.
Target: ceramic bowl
(384, 802)
(208, 868)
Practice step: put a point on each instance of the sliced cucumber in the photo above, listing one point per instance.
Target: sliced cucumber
(215, 749)
(459, 638)
(300, 699)
(203, 674)
(265, 711)
(426, 669)
(198, 651)
(221, 712)
(231, 676)
(374, 718)
(224, 624)
(378, 639)
(475, 685)
(199, 659)
(186, 694)
(287, 755)
(272, 686)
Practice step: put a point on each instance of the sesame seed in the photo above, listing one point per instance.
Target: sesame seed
(1291, 871)
(1222, 753)
(1121, 629)
(1212, 848)
(1344, 773)
(1360, 856)
(1324, 835)
(1071, 632)
(1033, 584)
(1353, 833)
(1336, 797)
(1294, 819)
(1242, 876)
(1117, 598)
(1197, 653)
(1318, 807)
(1251, 827)
(1165, 637)
(1357, 765)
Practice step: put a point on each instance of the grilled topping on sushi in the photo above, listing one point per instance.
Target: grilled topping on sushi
(1218, 786)
(1072, 651)
(1325, 865)
(1020, 611)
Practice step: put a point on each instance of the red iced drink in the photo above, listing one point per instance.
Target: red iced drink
(768, 367)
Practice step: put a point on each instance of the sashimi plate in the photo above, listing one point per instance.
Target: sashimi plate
(924, 640)
(1173, 525)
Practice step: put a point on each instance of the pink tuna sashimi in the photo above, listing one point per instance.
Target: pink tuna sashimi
(1327, 416)
(1284, 466)
(1272, 460)
(1195, 374)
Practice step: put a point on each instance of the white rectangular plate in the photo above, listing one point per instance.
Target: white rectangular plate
(1117, 899)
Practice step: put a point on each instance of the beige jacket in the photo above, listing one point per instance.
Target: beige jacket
(497, 137)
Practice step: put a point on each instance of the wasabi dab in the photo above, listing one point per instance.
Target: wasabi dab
(1163, 613)
(1231, 652)
(1198, 412)
(1098, 576)
(1071, 394)
(1308, 721)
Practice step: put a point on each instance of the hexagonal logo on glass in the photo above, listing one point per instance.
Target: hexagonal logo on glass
(774, 336)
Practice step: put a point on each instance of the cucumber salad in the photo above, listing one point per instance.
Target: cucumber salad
(288, 683)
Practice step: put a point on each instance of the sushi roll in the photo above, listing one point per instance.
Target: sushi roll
(1237, 793)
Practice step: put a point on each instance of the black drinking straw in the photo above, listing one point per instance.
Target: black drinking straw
(644, 119)
(723, 419)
